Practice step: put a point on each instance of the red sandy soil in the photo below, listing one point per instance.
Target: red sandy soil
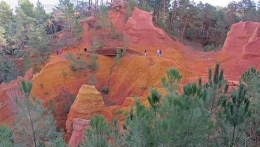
(135, 74)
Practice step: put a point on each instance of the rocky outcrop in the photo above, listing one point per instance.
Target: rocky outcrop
(139, 28)
(8, 93)
(243, 39)
(87, 103)
(252, 47)
(241, 49)
(79, 128)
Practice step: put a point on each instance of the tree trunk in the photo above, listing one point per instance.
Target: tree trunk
(171, 20)
(164, 8)
(184, 29)
(31, 121)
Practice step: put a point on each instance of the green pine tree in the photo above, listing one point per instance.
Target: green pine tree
(171, 82)
(6, 137)
(34, 125)
(252, 79)
(236, 112)
(215, 91)
(96, 135)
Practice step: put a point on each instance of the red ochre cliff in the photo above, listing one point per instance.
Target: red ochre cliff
(135, 74)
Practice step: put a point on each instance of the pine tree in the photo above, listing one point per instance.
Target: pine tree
(97, 134)
(237, 114)
(215, 91)
(6, 137)
(2, 38)
(184, 122)
(139, 127)
(34, 125)
(68, 15)
(6, 13)
(117, 137)
(252, 79)
(27, 7)
(17, 31)
(39, 13)
(171, 82)
(39, 40)
(8, 68)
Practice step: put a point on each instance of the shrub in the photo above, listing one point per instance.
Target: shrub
(104, 90)
(114, 33)
(129, 9)
(118, 55)
(76, 63)
(98, 26)
(78, 30)
(64, 74)
(145, 7)
(103, 20)
(93, 65)
(97, 43)
(209, 47)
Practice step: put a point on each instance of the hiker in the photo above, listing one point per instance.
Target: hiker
(85, 50)
(158, 53)
(60, 51)
(145, 52)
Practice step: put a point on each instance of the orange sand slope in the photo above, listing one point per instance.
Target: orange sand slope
(135, 74)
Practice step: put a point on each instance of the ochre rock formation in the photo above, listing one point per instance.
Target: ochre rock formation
(79, 128)
(135, 74)
(139, 29)
(87, 103)
(241, 49)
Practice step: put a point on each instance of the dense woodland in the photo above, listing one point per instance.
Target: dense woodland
(203, 115)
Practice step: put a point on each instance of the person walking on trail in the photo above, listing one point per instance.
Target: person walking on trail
(145, 52)
(158, 53)
(59, 51)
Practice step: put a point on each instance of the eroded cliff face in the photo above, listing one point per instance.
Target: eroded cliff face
(241, 49)
(8, 93)
(87, 103)
(135, 73)
(78, 131)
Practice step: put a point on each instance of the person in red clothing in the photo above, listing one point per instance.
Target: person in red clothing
(60, 51)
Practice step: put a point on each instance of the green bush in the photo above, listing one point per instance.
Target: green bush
(98, 26)
(146, 7)
(114, 34)
(129, 9)
(97, 43)
(93, 65)
(64, 74)
(209, 47)
(78, 30)
(76, 64)
(118, 55)
(104, 90)
(103, 20)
